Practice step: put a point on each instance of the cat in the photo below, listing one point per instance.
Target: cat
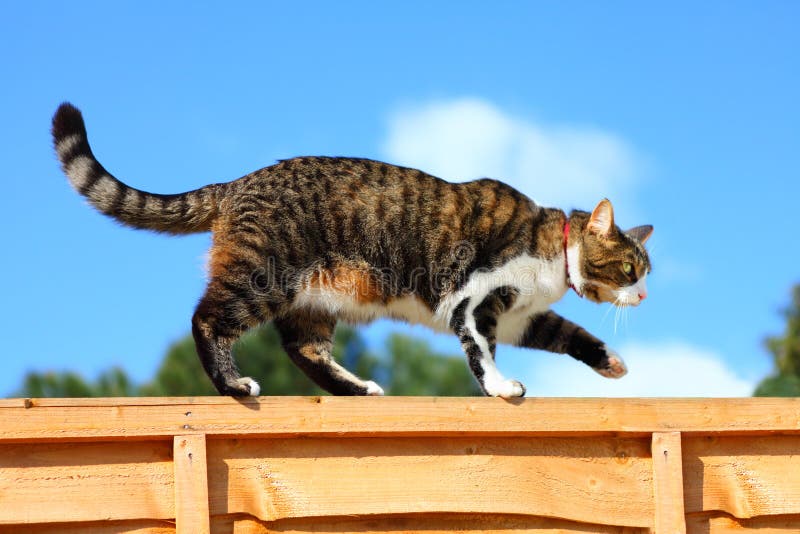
(313, 240)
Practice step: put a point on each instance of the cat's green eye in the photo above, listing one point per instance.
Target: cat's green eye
(627, 267)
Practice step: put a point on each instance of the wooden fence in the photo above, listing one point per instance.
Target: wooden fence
(368, 465)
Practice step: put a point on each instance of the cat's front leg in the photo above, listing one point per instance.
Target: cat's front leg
(475, 324)
(551, 332)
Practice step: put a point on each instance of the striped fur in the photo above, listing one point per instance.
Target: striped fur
(313, 240)
(183, 213)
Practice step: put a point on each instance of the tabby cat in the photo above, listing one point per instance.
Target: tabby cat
(313, 240)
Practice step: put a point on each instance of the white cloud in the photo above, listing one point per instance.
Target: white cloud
(564, 166)
(665, 369)
(556, 165)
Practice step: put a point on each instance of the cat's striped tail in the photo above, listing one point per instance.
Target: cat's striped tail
(182, 213)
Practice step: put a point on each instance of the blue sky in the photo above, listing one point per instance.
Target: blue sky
(685, 115)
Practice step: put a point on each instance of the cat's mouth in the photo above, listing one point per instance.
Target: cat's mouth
(621, 298)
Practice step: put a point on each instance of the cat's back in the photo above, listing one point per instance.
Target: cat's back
(330, 179)
(353, 196)
(364, 187)
(392, 216)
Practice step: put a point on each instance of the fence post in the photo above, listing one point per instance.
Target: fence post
(191, 485)
(668, 483)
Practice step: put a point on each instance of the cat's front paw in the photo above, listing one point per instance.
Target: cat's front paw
(374, 389)
(505, 389)
(612, 366)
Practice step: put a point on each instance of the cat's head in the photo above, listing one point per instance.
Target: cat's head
(605, 263)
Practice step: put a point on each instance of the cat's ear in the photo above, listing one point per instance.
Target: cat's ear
(641, 233)
(602, 220)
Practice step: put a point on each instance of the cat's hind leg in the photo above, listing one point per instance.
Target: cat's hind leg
(241, 293)
(226, 311)
(308, 340)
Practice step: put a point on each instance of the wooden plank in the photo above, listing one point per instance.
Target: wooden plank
(425, 523)
(102, 527)
(416, 458)
(67, 482)
(762, 525)
(191, 485)
(742, 476)
(90, 419)
(706, 523)
(603, 480)
(668, 483)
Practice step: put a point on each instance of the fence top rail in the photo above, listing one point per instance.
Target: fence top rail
(32, 420)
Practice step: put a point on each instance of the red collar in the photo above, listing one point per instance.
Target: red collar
(566, 259)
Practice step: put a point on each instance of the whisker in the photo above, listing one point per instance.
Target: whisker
(605, 315)
(625, 315)
(618, 306)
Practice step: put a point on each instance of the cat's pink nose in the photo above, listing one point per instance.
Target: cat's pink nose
(642, 295)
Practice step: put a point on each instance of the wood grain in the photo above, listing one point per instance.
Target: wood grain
(423, 523)
(743, 477)
(323, 464)
(603, 481)
(42, 483)
(712, 523)
(105, 419)
(668, 483)
(191, 485)
(96, 527)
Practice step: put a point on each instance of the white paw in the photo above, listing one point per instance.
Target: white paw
(373, 389)
(505, 388)
(614, 367)
(251, 384)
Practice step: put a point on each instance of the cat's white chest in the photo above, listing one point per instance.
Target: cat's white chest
(539, 283)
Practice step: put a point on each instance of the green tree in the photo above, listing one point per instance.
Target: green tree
(259, 355)
(785, 351)
(111, 383)
(414, 369)
(408, 368)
